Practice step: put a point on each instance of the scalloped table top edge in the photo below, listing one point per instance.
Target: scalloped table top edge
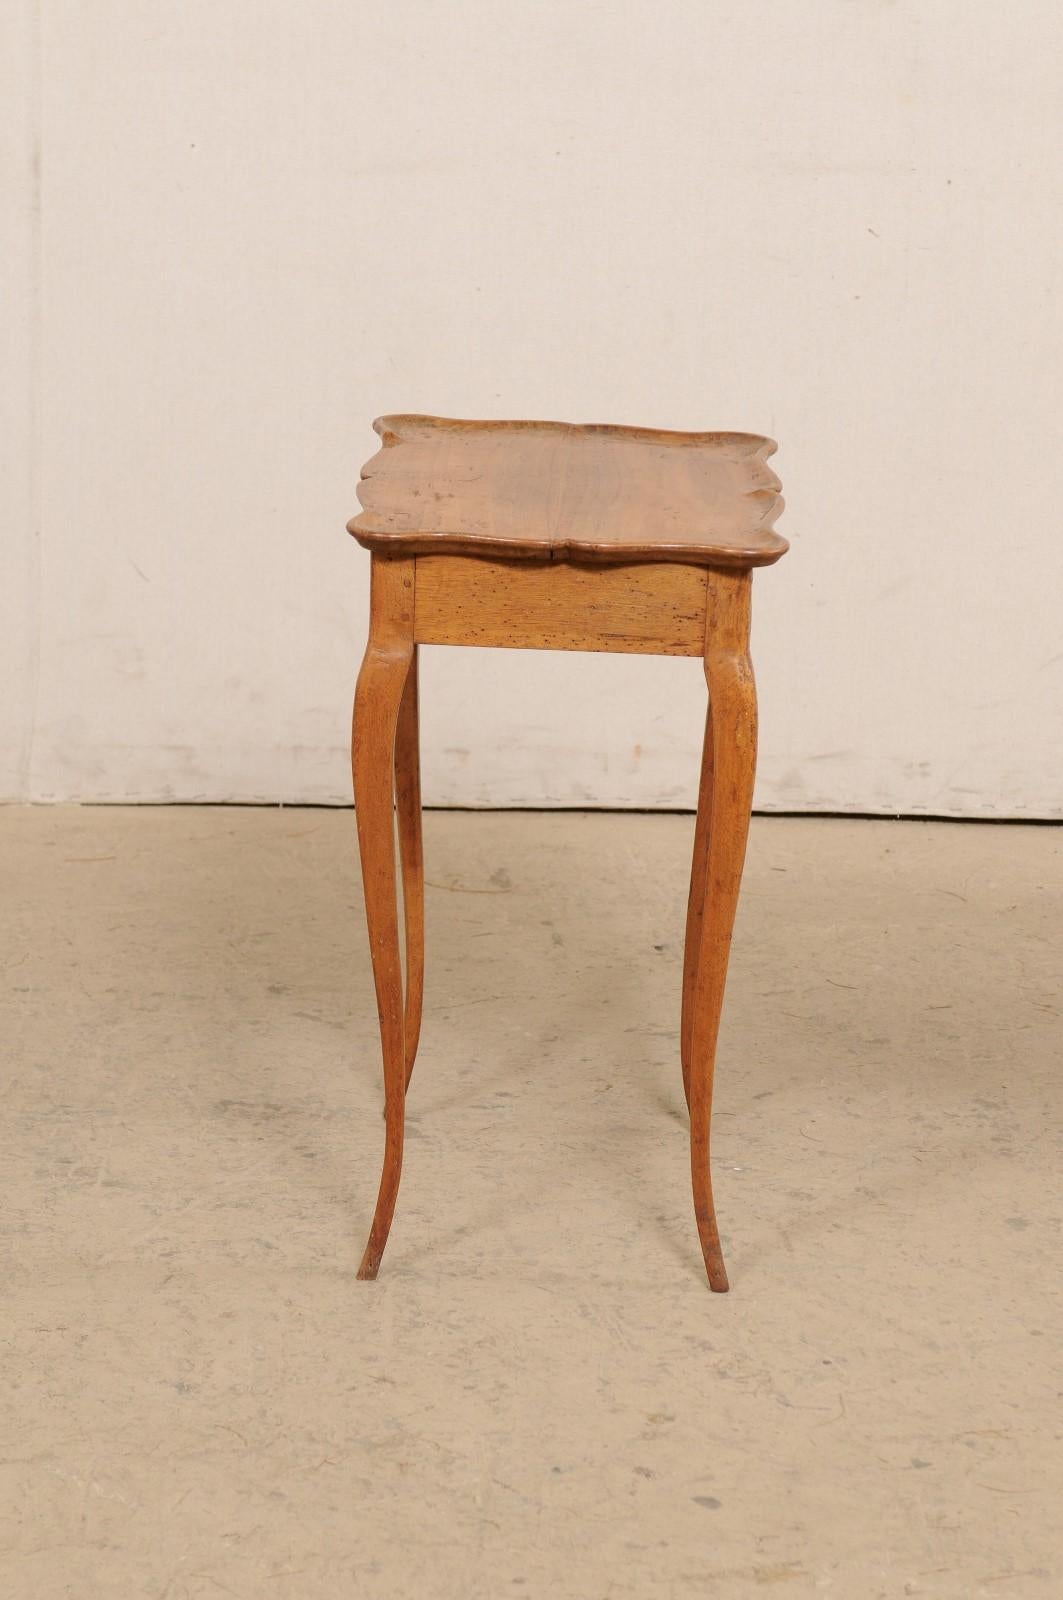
(600, 493)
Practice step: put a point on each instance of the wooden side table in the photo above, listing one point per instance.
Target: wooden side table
(542, 535)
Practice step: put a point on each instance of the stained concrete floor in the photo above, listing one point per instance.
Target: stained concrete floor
(539, 1397)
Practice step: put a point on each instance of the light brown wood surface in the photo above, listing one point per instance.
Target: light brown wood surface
(379, 697)
(552, 490)
(725, 800)
(667, 606)
(411, 857)
(645, 609)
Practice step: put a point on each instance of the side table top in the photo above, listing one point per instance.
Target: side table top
(593, 493)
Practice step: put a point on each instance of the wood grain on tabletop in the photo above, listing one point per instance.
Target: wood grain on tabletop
(556, 491)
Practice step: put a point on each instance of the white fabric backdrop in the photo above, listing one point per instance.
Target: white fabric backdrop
(237, 231)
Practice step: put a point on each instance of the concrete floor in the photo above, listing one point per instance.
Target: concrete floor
(539, 1397)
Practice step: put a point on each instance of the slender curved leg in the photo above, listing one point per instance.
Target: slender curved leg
(411, 855)
(696, 899)
(381, 683)
(733, 726)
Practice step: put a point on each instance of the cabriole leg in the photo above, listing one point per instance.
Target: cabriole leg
(379, 695)
(696, 899)
(730, 765)
(411, 855)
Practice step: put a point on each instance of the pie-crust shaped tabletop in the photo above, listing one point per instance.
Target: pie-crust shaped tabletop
(558, 491)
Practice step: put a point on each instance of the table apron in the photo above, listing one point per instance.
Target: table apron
(644, 608)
